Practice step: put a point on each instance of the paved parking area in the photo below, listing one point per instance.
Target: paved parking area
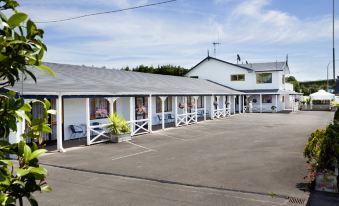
(249, 159)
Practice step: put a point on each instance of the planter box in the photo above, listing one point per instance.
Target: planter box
(326, 183)
(120, 138)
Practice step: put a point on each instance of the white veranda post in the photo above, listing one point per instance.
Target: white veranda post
(260, 99)
(59, 124)
(111, 101)
(150, 121)
(88, 124)
(131, 113)
(223, 105)
(234, 104)
(176, 110)
(196, 108)
(185, 109)
(204, 108)
(163, 99)
(212, 107)
(276, 102)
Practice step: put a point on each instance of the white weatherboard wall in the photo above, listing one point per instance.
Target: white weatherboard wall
(74, 113)
(123, 107)
(221, 73)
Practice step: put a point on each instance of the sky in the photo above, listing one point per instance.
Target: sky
(181, 32)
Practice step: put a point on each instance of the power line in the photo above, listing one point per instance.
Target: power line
(105, 12)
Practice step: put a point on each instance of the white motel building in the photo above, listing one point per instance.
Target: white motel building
(83, 97)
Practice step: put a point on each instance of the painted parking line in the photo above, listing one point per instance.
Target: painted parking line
(131, 155)
(170, 136)
(137, 145)
(146, 149)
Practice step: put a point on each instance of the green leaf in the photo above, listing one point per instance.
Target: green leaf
(37, 153)
(27, 152)
(47, 69)
(46, 188)
(21, 146)
(22, 172)
(38, 170)
(23, 115)
(26, 107)
(7, 162)
(16, 19)
(18, 182)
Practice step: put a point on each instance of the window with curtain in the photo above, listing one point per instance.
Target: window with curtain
(264, 78)
(266, 98)
(167, 105)
(99, 108)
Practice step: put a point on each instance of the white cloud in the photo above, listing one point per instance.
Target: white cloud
(132, 38)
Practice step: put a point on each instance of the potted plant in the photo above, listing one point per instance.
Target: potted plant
(274, 108)
(118, 129)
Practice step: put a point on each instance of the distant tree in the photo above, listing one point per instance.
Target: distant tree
(164, 69)
(294, 81)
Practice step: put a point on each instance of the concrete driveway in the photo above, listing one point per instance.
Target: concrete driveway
(248, 159)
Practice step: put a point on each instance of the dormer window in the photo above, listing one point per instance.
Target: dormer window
(264, 78)
(238, 77)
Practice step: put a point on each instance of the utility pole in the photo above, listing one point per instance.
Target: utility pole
(333, 44)
(215, 50)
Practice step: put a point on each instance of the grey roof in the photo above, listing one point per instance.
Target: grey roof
(256, 67)
(268, 66)
(73, 80)
(270, 91)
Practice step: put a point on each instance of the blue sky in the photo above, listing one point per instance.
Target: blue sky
(180, 33)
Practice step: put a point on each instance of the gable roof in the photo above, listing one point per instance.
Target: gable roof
(256, 67)
(219, 60)
(73, 80)
(268, 66)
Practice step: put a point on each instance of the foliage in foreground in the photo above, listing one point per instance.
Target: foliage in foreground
(322, 149)
(21, 51)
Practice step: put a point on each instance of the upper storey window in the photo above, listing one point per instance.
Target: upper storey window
(264, 78)
(238, 77)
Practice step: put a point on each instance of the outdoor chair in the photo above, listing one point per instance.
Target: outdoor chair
(170, 117)
(75, 131)
(160, 118)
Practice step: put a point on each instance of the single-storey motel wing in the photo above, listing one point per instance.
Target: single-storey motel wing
(83, 97)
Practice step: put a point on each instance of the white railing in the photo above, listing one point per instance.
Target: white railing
(181, 119)
(220, 113)
(191, 118)
(139, 126)
(99, 131)
(186, 119)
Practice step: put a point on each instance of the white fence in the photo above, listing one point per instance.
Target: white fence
(98, 133)
(186, 119)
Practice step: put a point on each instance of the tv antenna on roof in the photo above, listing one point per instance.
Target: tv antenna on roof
(214, 47)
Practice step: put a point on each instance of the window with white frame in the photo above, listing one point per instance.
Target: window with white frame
(238, 77)
(264, 78)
